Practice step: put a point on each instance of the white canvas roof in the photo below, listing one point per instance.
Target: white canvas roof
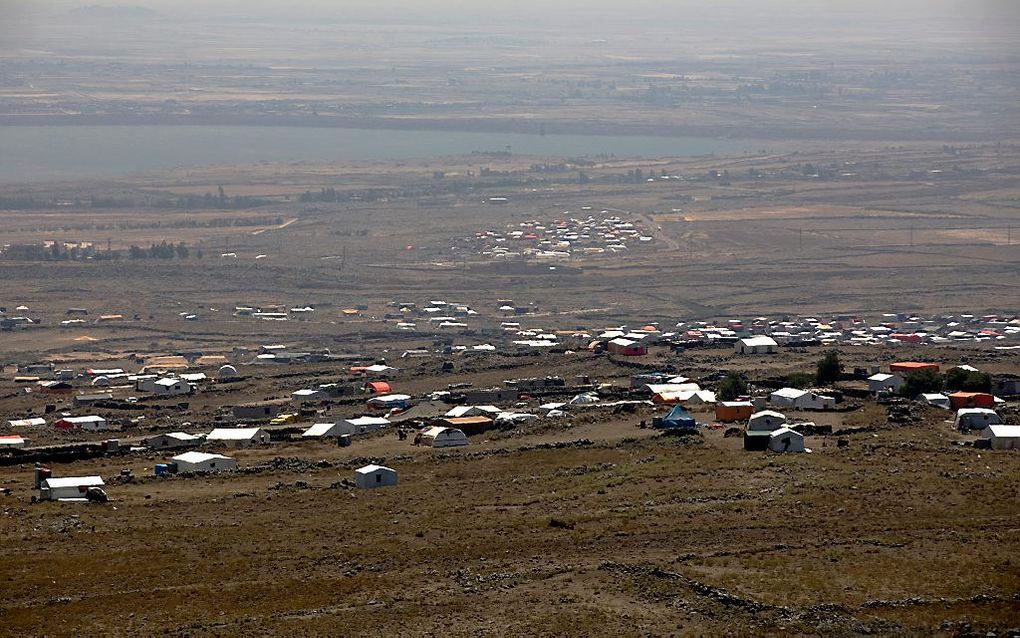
(790, 393)
(771, 413)
(319, 429)
(74, 481)
(83, 419)
(232, 434)
(199, 457)
(369, 469)
(1005, 431)
(182, 436)
(26, 423)
(758, 341)
(368, 420)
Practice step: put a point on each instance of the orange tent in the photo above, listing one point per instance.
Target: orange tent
(378, 387)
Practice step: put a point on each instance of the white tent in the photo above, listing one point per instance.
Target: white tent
(68, 488)
(766, 420)
(975, 418)
(1003, 437)
(441, 437)
(786, 440)
(238, 437)
(371, 476)
(203, 462)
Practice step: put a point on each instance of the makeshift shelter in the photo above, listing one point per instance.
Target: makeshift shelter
(585, 398)
(390, 401)
(626, 347)
(238, 437)
(371, 476)
(958, 400)
(975, 419)
(12, 441)
(89, 423)
(203, 462)
(68, 488)
(801, 399)
(226, 372)
(884, 382)
(1003, 437)
(936, 399)
(730, 411)
(469, 425)
(378, 387)
(441, 437)
(172, 440)
(756, 345)
(766, 421)
(786, 440)
(678, 417)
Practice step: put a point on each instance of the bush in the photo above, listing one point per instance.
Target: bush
(920, 382)
(731, 387)
(958, 380)
(800, 380)
(829, 369)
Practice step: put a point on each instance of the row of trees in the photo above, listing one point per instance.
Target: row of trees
(829, 370)
(163, 250)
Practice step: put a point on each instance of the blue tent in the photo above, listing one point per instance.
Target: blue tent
(678, 417)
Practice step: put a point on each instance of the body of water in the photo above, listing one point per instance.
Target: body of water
(35, 153)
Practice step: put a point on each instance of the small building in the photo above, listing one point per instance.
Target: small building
(171, 387)
(8, 441)
(34, 422)
(959, 400)
(801, 399)
(1003, 437)
(906, 367)
(882, 382)
(766, 421)
(439, 437)
(756, 345)
(203, 462)
(730, 411)
(172, 440)
(308, 395)
(626, 347)
(55, 387)
(786, 440)
(348, 427)
(371, 476)
(469, 425)
(88, 423)
(975, 419)
(257, 411)
(935, 399)
(68, 488)
(226, 372)
(390, 401)
(90, 399)
(238, 437)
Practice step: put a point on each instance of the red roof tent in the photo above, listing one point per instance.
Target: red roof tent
(378, 387)
(959, 400)
(913, 366)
